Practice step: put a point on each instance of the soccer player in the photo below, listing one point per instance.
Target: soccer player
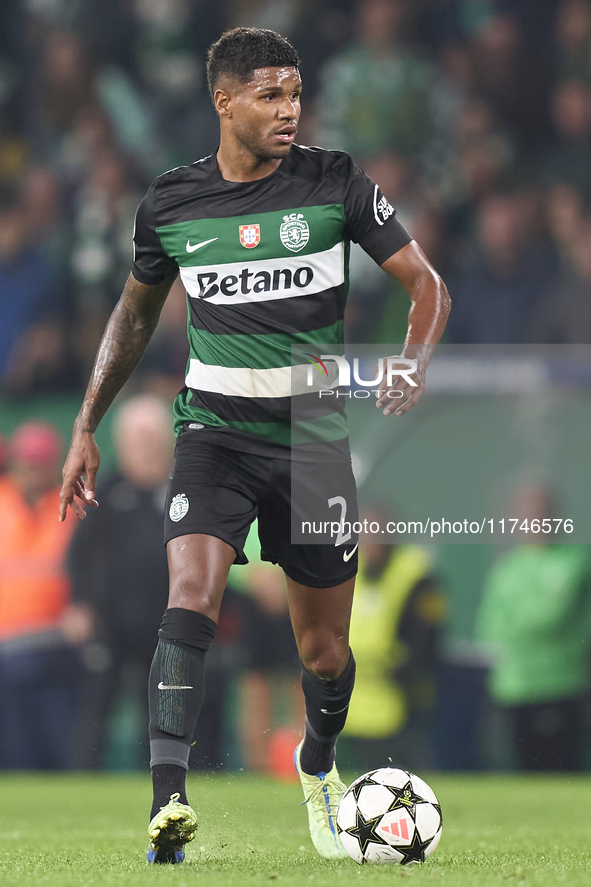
(258, 232)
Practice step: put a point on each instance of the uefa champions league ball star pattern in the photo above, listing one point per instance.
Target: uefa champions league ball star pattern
(389, 816)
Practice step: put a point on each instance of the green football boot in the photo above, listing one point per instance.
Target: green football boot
(322, 795)
(170, 830)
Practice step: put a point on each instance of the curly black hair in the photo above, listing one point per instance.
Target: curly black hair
(240, 51)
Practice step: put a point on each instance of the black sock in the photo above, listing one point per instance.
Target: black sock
(326, 712)
(175, 690)
(167, 780)
(317, 756)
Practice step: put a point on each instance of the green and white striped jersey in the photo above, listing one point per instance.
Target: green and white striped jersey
(265, 267)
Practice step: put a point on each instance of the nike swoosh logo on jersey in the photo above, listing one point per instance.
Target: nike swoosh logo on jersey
(191, 249)
(162, 686)
(347, 555)
(339, 712)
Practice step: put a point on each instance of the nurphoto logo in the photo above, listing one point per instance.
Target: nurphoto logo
(392, 369)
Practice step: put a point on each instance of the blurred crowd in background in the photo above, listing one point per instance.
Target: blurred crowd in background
(81, 602)
(474, 116)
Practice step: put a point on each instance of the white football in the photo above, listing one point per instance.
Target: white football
(389, 816)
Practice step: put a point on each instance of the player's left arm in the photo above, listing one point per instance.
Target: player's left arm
(370, 221)
(429, 310)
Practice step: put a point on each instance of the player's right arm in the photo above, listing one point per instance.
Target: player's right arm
(128, 331)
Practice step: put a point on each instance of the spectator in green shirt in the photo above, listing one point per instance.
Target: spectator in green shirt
(536, 617)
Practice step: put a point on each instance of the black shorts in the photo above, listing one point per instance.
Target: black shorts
(219, 491)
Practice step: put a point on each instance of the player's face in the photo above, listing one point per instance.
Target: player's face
(266, 110)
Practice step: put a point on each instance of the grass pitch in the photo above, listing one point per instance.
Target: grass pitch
(91, 830)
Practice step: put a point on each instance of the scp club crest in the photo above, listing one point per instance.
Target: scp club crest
(294, 232)
(178, 507)
(250, 235)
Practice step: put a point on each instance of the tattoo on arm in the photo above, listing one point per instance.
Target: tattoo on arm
(127, 333)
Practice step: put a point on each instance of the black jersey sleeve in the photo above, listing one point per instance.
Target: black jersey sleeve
(151, 264)
(370, 220)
